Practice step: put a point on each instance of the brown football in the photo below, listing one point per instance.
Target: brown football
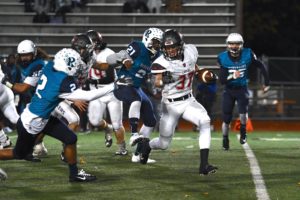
(206, 76)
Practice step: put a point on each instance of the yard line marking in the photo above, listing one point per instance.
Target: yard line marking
(260, 187)
(280, 139)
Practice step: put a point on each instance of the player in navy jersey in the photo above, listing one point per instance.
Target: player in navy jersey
(234, 65)
(136, 65)
(57, 82)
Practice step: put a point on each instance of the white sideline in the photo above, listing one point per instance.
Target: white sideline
(260, 187)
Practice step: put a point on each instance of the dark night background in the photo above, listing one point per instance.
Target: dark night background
(272, 27)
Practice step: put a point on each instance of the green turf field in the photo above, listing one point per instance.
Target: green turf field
(174, 176)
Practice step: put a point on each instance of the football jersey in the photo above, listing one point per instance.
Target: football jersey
(182, 72)
(241, 65)
(96, 74)
(141, 63)
(51, 84)
(33, 71)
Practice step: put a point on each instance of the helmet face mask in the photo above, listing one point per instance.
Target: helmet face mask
(68, 61)
(234, 44)
(83, 45)
(172, 45)
(152, 38)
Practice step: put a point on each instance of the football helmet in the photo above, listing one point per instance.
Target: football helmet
(68, 60)
(152, 38)
(234, 44)
(172, 45)
(97, 39)
(83, 45)
(26, 47)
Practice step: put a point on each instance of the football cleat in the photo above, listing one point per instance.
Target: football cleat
(135, 138)
(145, 150)
(123, 152)
(122, 149)
(225, 143)
(3, 175)
(108, 136)
(82, 176)
(243, 138)
(208, 169)
(32, 158)
(7, 143)
(40, 150)
(136, 159)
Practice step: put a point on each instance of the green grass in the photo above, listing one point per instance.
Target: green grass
(174, 176)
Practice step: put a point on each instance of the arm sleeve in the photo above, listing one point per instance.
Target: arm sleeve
(117, 58)
(80, 94)
(261, 66)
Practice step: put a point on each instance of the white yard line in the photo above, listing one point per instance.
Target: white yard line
(260, 187)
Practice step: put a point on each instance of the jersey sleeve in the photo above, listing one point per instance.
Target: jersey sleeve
(68, 85)
(133, 50)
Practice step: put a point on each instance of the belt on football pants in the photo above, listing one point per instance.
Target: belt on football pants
(180, 98)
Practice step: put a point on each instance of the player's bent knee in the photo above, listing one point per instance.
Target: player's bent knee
(227, 118)
(150, 123)
(72, 139)
(94, 122)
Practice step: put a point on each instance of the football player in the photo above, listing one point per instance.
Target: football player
(103, 78)
(234, 65)
(8, 109)
(136, 65)
(31, 61)
(174, 72)
(57, 82)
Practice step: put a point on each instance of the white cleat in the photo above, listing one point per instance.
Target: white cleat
(135, 138)
(3, 175)
(136, 159)
(108, 136)
(7, 143)
(40, 150)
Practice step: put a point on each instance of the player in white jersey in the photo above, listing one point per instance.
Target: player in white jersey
(174, 71)
(99, 79)
(8, 108)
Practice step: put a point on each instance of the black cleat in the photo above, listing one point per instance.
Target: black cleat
(82, 176)
(108, 142)
(225, 143)
(32, 158)
(144, 151)
(208, 169)
(243, 138)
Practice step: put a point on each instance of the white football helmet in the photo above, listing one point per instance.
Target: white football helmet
(152, 39)
(234, 43)
(69, 61)
(27, 46)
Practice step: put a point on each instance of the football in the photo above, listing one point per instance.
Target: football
(206, 76)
